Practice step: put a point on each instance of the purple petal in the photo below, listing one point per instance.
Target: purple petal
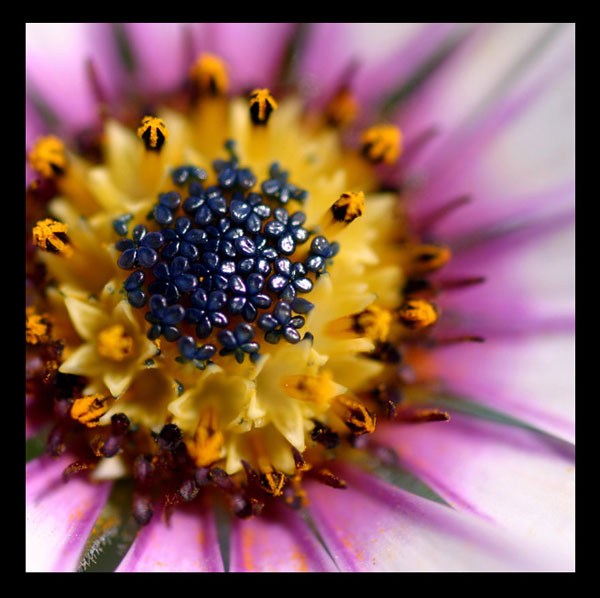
(500, 151)
(531, 378)
(278, 540)
(187, 542)
(375, 527)
(60, 516)
(253, 51)
(162, 57)
(521, 480)
(64, 48)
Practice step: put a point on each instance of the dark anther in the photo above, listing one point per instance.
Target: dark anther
(251, 474)
(189, 490)
(201, 476)
(221, 479)
(419, 288)
(328, 478)
(388, 396)
(119, 423)
(142, 508)
(324, 435)
(169, 437)
(55, 445)
(143, 470)
(386, 353)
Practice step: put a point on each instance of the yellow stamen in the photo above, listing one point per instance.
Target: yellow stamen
(261, 106)
(343, 109)
(37, 328)
(426, 258)
(88, 410)
(207, 446)
(51, 235)
(271, 480)
(209, 73)
(114, 344)
(355, 415)
(154, 132)
(382, 143)
(417, 313)
(374, 322)
(315, 389)
(48, 156)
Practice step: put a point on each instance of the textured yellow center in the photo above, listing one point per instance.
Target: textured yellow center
(382, 143)
(114, 344)
(48, 156)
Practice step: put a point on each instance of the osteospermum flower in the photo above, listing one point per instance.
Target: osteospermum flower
(257, 295)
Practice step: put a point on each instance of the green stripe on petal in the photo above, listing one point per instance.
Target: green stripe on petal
(112, 534)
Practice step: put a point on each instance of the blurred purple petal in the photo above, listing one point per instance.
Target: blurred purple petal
(64, 48)
(522, 481)
(187, 542)
(276, 541)
(252, 51)
(377, 527)
(59, 516)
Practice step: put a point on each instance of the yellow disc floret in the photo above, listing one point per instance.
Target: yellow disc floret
(37, 327)
(51, 235)
(374, 322)
(207, 446)
(417, 313)
(382, 143)
(48, 156)
(88, 410)
(261, 106)
(210, 75)
(154, 132)
(114, 344)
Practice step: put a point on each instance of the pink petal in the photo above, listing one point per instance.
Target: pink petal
(502, 153)
(60, 516)
(531, 378)
(384, 54)
(529, 286)
(161, 54)
(519, 479)
(63, 48)
(253, 51)
(187, 542)
(375, 527)
(278, 540)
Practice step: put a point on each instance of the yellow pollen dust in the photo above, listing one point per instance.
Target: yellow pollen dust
(272, 481)
(153, 132)
(343, 109)
(114, 344)
(261, 105)
(355, 415)
(206, 447)
(382, 143)
(88, 410)
(426, 258)
(417, 313)
(51, 235)
(374, 322)
(48, 156)
(37, 328)
(210, 74)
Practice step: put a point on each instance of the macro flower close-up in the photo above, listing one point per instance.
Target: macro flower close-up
(300, 297)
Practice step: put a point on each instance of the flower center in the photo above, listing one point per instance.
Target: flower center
(247, 302)
(114, 344)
